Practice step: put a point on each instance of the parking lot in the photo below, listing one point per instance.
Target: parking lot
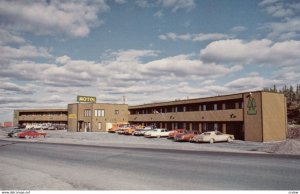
(116, 140)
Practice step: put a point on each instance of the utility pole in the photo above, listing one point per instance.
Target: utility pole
(124, 99)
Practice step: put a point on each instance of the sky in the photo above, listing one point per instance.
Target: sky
(146, 50)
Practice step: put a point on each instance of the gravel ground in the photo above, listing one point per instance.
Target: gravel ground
(111, 139)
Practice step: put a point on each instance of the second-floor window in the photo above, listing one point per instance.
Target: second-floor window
(99, 113)
(87, 113)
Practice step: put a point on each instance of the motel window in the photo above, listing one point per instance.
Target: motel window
(99, 113)
(176, 125)
(215, 106)
(216, 126)
(116, 112)
(204, 127)
(99, 126)
(87, 113)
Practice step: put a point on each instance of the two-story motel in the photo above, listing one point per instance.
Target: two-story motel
(252, 116)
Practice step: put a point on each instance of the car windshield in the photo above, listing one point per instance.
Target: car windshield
(206, 133)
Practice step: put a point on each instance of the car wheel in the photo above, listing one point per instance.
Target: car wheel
(211, 141)
(27, 136)
(229, 139)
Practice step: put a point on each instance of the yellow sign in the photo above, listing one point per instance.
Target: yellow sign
(72, 116)
(86, 99)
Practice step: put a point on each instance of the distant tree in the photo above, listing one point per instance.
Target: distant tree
(274, 88)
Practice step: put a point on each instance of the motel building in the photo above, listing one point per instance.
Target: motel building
(251, 116)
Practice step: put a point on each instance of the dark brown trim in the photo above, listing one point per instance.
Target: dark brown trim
(262, 121)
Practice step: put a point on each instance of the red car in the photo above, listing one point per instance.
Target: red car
(187, 136)
(174, 132)
(30, 134)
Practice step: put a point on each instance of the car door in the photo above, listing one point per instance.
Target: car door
(220, 136)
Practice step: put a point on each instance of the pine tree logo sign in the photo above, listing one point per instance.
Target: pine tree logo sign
(251, 105)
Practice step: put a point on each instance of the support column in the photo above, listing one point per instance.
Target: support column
(223, 127)
(200, 127)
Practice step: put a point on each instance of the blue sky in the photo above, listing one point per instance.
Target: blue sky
(149, 51)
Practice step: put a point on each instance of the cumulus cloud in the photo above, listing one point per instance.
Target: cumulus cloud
(23, 52)
(206, 90)
(251, 83)
(287, 12)
(194, 37)
(8, 37)
(52, 17)
(256, 52)
(9, 87)
(183, 65)
(285, 30)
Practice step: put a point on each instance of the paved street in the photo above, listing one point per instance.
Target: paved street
(38, 166)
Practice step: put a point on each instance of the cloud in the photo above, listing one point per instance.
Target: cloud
(174, 5)
(267, 2)
(158, 14)
(23, 52)
(120, 1)
(124, 68)
(178, 4)
(206, 90)
(288, 75)
(10, 87)
(285, 30)
(256, 52)
(52, 17)
(238, 29)
(132, 54)
(183, 66)
(8, 37)
(251, 83)
(287, 12)
(15, 99)
(193, 37)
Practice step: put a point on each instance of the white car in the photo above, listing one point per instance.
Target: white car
(212, 137)
(157, 133)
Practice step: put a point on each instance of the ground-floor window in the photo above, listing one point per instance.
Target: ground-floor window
(99, 126)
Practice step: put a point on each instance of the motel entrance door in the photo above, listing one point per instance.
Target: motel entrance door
(79, 126)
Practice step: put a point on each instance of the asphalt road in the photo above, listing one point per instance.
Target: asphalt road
(40, 166)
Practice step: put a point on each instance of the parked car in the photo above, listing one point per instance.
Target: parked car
(116, 128)
(14, 132)
(157, 133)
(123, 129)
(187, 136)
(129, 130)
(141, 132)
(31, 134)
(174, 132)
(120, 131)
(212, 137)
